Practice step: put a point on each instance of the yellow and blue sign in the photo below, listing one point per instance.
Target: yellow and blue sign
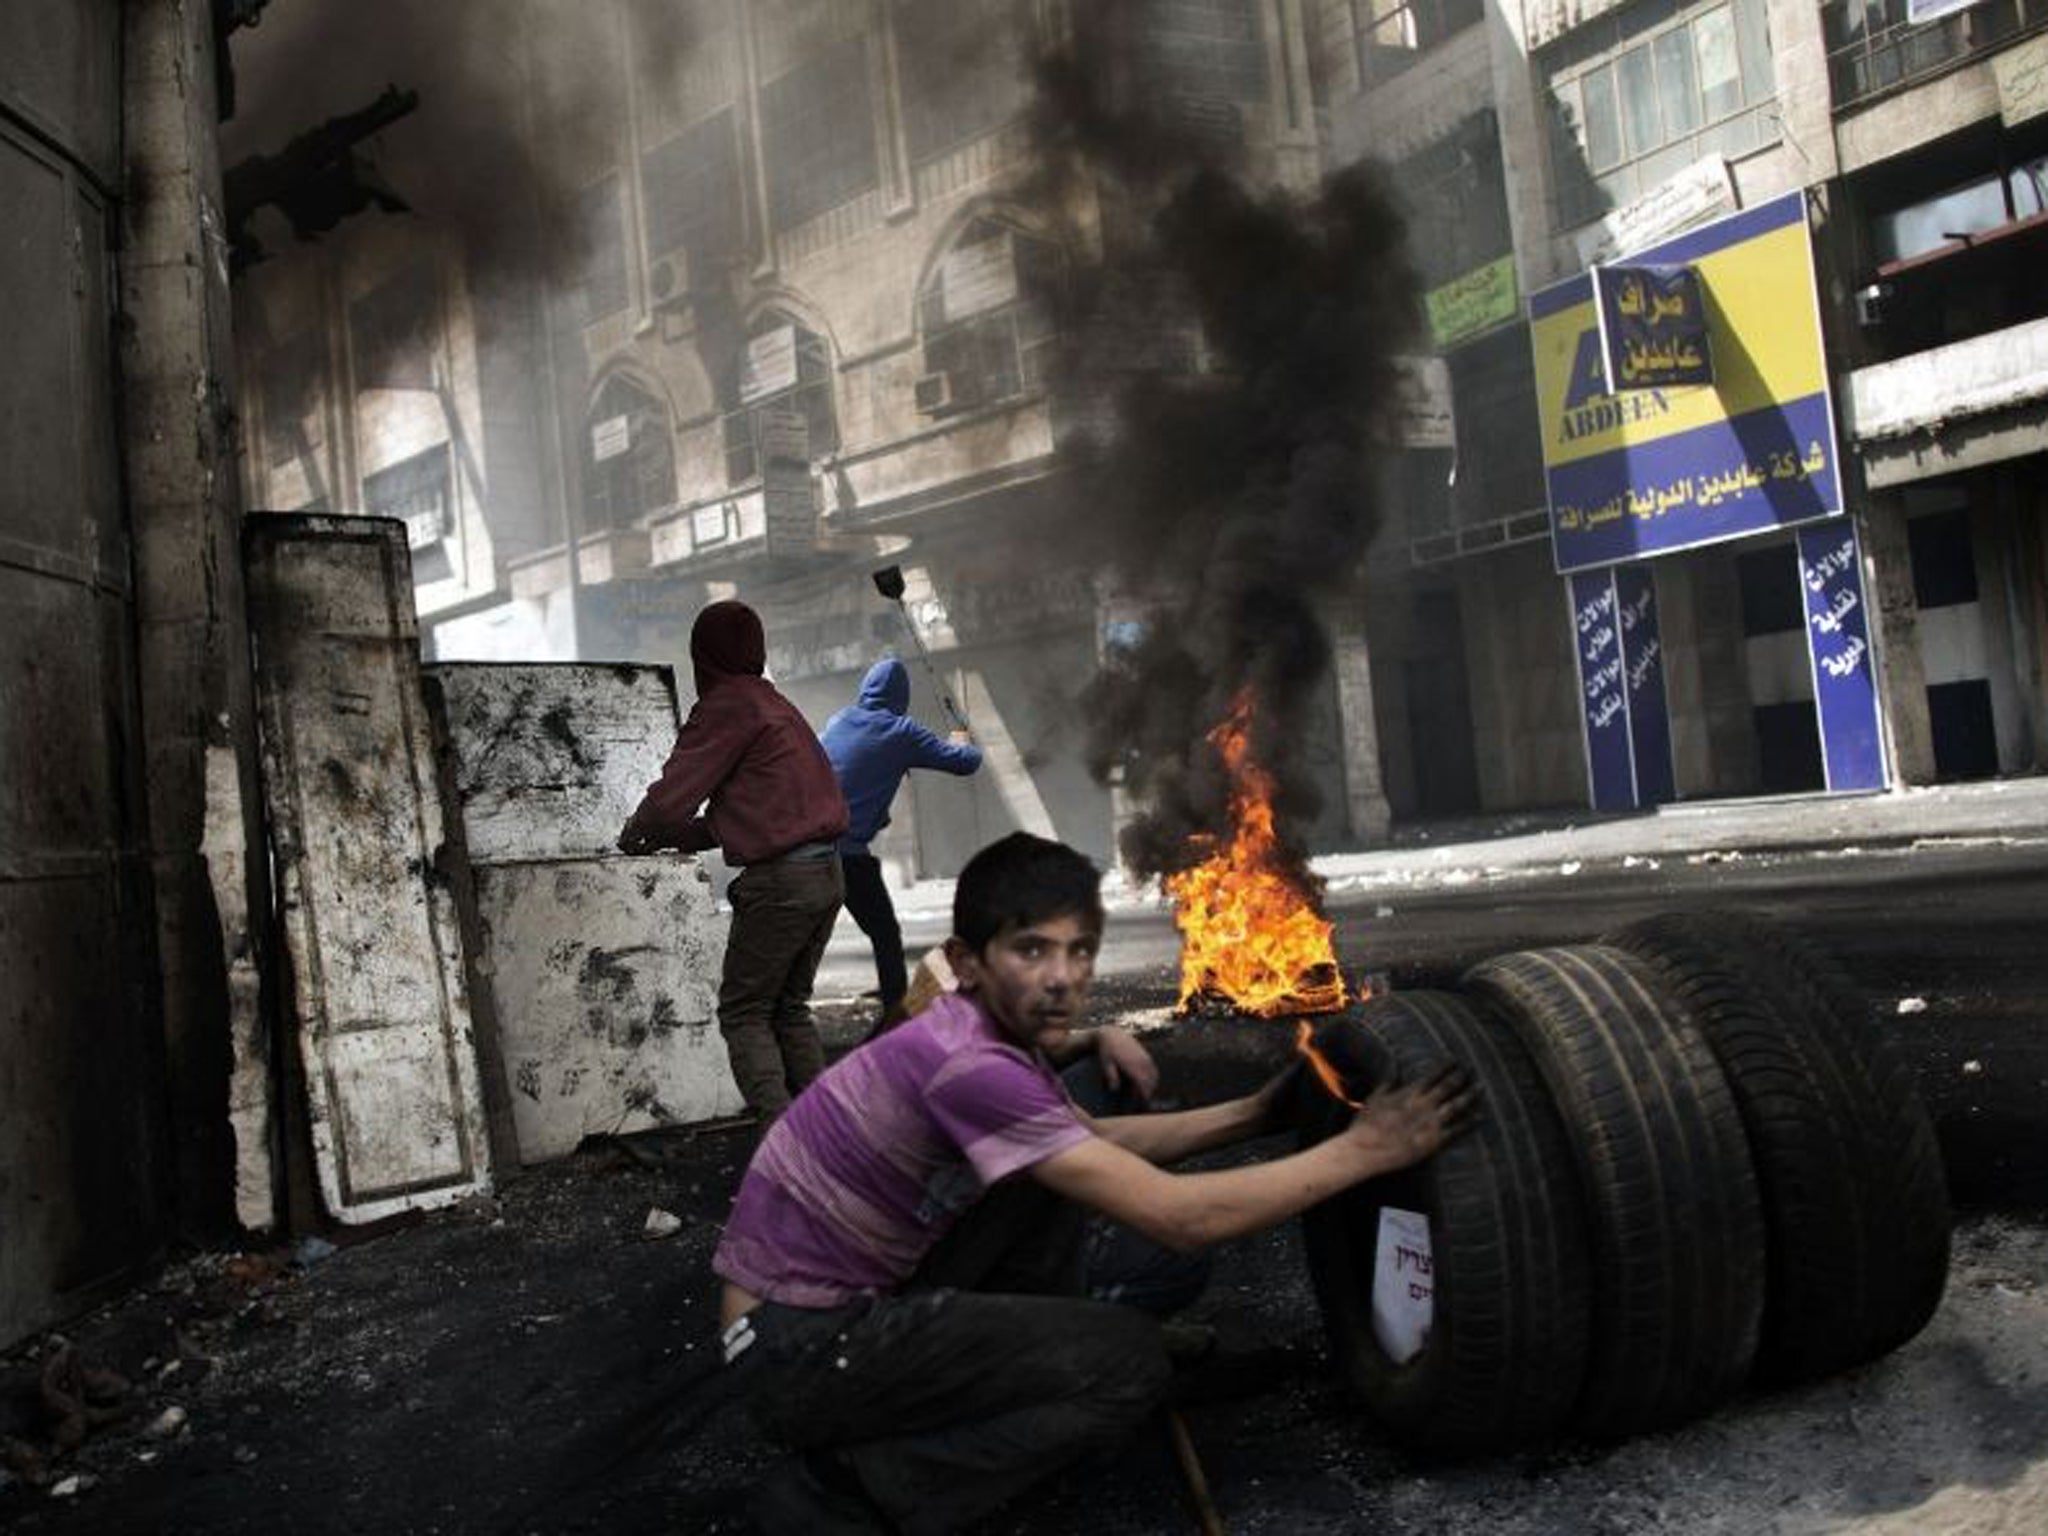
(1646, 471)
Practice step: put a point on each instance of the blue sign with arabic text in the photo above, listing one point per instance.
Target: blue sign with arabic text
(1603, 691)
(1653, 326)
(1838, 637)
(1642, 659)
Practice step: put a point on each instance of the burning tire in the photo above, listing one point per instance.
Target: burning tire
(1492, 1225)
(1676, 1230)
(1855, 1207)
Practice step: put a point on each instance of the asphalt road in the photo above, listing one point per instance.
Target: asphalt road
(1950, 940)
(532, 1364)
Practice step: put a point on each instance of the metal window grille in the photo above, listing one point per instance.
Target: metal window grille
(1207, 50)
(1873, 50)
(818, 133)
(1390, 35)
(416, 492)
(392, 331)
(691, 190)
(1002, 352)
(963, 71)
(601, 222)
(628, 485)
(811, 394)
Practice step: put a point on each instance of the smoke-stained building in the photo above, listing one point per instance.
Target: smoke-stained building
(783, 298)
(794, 278)
(1537, 139)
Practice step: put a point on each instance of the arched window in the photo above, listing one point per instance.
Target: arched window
(629, 456)
(784, 375)
(983, 315)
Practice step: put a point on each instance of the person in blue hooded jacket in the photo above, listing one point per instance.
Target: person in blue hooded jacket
(872, 744)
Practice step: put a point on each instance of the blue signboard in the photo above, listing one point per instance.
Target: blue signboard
(1603, 691)
(1644, 471)
(1653, 326)
(1838, 638)
(1642, 658)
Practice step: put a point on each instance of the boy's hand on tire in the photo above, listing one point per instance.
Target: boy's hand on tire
(1404, 1125)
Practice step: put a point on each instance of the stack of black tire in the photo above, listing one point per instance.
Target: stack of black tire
(1700, 1164)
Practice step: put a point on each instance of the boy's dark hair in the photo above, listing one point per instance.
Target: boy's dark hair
(1020, 880)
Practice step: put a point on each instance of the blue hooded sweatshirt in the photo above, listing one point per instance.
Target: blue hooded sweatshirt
(873, 743)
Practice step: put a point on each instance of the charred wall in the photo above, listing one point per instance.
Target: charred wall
(81, 1171)
(123, 727)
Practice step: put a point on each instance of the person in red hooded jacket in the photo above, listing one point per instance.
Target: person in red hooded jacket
(747, 776)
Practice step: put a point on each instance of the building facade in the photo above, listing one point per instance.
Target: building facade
(795, 330)
(1541, 138)
(800, 327)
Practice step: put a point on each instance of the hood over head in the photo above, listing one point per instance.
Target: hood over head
(726, 641)
(887, 686)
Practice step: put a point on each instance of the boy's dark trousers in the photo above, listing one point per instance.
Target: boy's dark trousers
(782, 915)
(867, 902)
(987, 1374)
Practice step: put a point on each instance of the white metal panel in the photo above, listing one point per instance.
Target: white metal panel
(602, 971)
(605, 980)
(396, 1114)
(551, 758)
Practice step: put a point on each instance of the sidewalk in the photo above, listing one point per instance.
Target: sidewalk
(2003, 811)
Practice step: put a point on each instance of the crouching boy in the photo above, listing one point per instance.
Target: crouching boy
(901, 1300)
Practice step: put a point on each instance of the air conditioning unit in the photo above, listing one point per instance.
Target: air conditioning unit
(668, 281)
(934, 392)
(941, 394)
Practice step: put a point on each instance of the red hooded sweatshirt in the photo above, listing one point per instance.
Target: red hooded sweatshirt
(746, 750)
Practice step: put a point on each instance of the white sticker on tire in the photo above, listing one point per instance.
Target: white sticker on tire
(1403, 1285)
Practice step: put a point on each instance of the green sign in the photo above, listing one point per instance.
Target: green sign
(1481, 299)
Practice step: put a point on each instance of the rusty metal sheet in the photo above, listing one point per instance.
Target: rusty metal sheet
(357, 828)
(601, 972)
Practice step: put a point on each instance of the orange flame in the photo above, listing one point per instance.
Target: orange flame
(1327, 1075)
(1249, 931)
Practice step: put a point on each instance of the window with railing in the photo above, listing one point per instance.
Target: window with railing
(690, 193)
(818, 132)
(392, 331)
(987, 334)
(417, 492)
(783, 366)
(629, 456)
(600, 237)
(963, 68)
(1207, 49)
(1638, 95)
(1390, 35)
(1875, 48)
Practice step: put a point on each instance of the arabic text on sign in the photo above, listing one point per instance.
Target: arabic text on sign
(769, 366)
(611, 437)
(1690, 492)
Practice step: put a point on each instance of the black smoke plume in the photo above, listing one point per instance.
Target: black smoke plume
(1235, 494)
(520, 107)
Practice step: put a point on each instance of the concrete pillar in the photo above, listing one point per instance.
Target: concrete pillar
(1901, 673)
(1806, 119)
(198, 735)
(1524, 144)
(1365, 796)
